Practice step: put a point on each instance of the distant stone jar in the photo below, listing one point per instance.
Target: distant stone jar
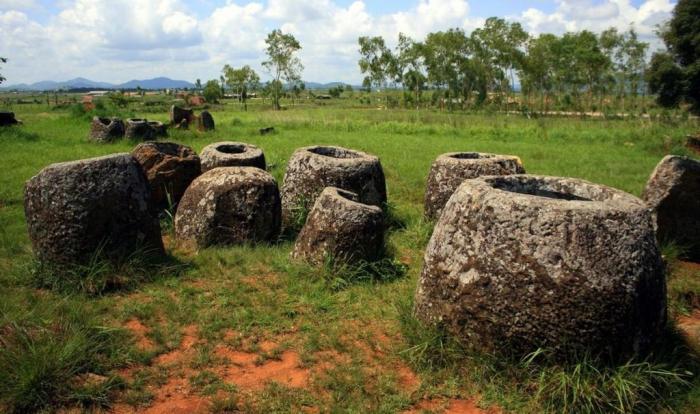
(342, 229)
(205, 122)
(311, 169)
(229, 206)
(449, 170)
(76, 209)
(178, 116)
(517, 263)
(139, 129)
(169, 167)
(159, 129)
(232, 154)
(106, 129)
(673, 192)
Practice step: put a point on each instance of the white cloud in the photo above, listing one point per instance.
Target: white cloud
(116, 40)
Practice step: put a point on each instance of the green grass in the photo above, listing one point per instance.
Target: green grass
(57, 327)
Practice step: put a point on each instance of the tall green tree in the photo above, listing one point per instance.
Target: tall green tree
(538, 72)
(212, 91)
(377, 62)
(282, 63)
(411, 66)
(241, 81)
(682, 38)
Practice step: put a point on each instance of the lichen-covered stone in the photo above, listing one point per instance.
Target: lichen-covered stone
(229, 205)
(139, 129)
(449, 170)
(520, 262)
(311, 169)
(232, 154)
(169, 167)
(75, 208)
(673, 192)
(341, 228)
(205, 121)
(106, 129)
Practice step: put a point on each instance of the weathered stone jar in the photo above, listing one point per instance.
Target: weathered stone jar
(229, 205)
(341, 228)
(106, 129)
(673, 192)
(73, 209)
(521, 262)
(449, 170)
(139, 129)
(311, 169)
(169, 167)
(232, 154)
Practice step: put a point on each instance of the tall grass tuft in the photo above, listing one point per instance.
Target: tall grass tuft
(55, 354)
(101, 274)
(586, 384)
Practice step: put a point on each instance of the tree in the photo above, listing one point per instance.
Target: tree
(2, 60)
(282, 63)
(682, 38)
(241, 81)
(410, 58)
(198, 85)
(376, 62)
(212, 91)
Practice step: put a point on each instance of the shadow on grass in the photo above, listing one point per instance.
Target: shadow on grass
(17, 133)
(103, 275)
(663, 379)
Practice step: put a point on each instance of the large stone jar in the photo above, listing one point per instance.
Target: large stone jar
(673, 192)
(311, 169)
(77, 209)
(106, 129)
(232, 154)
(521, 262)
(169, 167)
(228, 206)
(449, 170)
(341, 229)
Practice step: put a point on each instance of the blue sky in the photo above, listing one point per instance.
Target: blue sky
(119, 40)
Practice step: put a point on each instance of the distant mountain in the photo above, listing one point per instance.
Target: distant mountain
(316, 85)
(82, 83)
(155, 83)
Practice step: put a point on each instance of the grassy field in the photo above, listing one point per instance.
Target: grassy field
(243, 329)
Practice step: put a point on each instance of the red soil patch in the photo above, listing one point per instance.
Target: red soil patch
(189, 339)
(140, 331)
(408, 379)
(173, 397)
(453, 406)
(245, 373)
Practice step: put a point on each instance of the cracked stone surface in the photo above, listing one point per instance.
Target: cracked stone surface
(521, 262)
(340, 227)
(673, 192)
(73, 208)
(311, 169)
(449, 170)
(229, 205)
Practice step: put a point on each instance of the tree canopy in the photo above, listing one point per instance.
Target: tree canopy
(282, 63)
(2, 60)
(241, 81)
(675, 75)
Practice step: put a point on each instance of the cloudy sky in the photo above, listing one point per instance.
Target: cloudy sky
(119, 40)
